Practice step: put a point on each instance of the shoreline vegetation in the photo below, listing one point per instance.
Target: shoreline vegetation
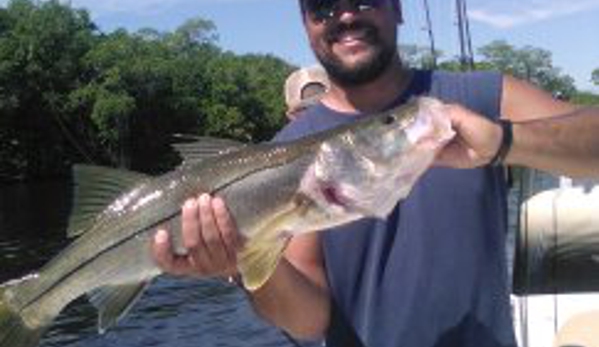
(70, 93)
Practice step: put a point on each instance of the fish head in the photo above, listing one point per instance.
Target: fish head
(386, 138)
(366, 169)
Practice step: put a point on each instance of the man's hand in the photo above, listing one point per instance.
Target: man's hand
(476, 142)
(210, 236)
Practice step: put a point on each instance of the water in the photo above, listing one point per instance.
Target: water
(173, 312)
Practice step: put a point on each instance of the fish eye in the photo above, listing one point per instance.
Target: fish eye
(388, 119)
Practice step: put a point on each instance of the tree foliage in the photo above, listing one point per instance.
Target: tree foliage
(70, 93)
(586, 98)
(529, 63)
(595, 77)
(41, 46)
(419, 56)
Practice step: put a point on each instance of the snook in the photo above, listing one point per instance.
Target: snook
(274, 191)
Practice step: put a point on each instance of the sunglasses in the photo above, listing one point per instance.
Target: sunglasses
(321, 10)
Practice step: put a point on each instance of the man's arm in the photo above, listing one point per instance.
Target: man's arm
(295, 298)
(549, 134)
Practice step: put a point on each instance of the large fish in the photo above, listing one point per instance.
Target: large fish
(273, 190)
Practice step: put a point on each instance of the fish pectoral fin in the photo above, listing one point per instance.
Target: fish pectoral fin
(259, 260)
(113, 302)
(95, 188)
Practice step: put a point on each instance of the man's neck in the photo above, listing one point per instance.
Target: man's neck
(371, 97)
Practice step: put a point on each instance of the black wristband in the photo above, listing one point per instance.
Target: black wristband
(506, 143)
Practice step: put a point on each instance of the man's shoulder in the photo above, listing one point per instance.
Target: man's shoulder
(481, 91)
(470, 77)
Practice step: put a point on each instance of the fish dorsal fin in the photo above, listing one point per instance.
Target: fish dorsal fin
(206, 147)
(259, 259)
(95, 188)
(113, 302)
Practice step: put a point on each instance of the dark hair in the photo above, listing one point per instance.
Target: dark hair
(396, 5)
(301, 5)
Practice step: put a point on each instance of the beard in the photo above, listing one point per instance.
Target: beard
(363, 72)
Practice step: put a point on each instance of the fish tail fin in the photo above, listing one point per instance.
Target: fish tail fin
(14, 332)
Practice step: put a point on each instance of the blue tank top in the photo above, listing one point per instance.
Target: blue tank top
(433, 274)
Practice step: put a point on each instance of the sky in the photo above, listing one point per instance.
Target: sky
(567, 28)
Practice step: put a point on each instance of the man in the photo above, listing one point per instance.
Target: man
(433, 274)
(303, 88)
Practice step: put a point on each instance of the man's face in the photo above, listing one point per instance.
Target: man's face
(355, 47)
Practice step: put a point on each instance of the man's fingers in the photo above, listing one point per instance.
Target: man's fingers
(198, 257)
(163, 255)
(227, 228)
(166, 259)
(190, 225)
(210, 236)
(161, 249)
(476, 142)
(211, 233)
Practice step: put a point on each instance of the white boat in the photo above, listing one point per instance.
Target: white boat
(556, 262)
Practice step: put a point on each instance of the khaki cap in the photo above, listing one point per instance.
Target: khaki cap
(297, 82)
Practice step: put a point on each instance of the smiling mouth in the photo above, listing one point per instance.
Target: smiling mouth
(356, 31)
(353, 34)
(352, 37)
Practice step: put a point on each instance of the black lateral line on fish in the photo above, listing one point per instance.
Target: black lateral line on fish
(135, 234)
